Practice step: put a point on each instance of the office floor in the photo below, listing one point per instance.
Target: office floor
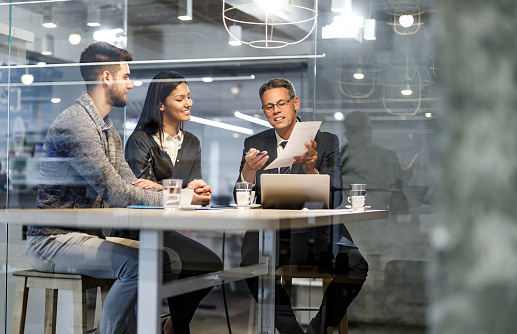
(210, 318)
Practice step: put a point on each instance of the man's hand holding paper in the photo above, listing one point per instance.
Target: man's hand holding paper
(308, 160)
(300, 149)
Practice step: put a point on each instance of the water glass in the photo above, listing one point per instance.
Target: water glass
(171, 193)
(357, 189)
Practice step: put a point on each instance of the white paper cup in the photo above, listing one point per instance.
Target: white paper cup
(186, 196)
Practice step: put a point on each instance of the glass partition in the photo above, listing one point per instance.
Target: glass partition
(373, 57)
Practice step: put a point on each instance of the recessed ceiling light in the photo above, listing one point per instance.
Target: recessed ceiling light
(74, 39)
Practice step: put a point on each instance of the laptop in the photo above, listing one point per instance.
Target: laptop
(295, 191)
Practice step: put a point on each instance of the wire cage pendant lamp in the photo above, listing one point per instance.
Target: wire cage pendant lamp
(270, 24)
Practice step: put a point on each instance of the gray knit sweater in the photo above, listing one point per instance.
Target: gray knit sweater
(83, 167)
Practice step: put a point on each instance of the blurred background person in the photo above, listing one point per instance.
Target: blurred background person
(379, 168)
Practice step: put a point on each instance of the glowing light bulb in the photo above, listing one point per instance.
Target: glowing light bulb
(49, 25)
(74, 39)
(27, 79)
(406, 20)
(407, 91)
(359, 75)
(338, 116)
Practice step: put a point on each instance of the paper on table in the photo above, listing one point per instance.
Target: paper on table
(302, 133)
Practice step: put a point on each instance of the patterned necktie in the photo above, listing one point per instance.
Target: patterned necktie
(285, 170)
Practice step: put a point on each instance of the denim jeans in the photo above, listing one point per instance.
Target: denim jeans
(79, 253)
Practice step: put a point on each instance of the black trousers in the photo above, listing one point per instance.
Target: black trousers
(330, 248)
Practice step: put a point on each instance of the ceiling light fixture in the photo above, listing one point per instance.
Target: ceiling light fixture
(406, 20)
(359, 75)
(221, 125)
(47, 45)
(340, 6)
(185, 12)
(235, 37)
(47, 18)
(93, 16)
(113, 36)
(235, 90)
(345, 25)
(406, 91)
(369, 29)
(338, 116)
(252, 119)
(280, 15)
(55, 100)
(74, 39)
(27, 78)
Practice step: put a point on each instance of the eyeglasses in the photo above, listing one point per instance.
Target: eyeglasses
(280, 104)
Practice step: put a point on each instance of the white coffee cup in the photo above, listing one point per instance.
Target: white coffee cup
(186, 196)
(357, 202)
(243, 194)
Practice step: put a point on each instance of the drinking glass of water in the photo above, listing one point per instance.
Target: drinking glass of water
(171, 193)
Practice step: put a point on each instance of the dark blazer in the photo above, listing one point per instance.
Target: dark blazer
(328, 161)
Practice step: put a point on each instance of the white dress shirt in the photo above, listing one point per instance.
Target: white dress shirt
(171, 144)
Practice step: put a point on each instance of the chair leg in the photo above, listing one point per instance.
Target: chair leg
(102, 292)
(51, 296)
(20, 306)
(288, 285)
(343, 325)
(80, 308)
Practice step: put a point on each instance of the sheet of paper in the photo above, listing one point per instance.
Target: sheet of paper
(302, 133)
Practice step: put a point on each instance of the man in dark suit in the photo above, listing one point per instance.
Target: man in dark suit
(329, 247)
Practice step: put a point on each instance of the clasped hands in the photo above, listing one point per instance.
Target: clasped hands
(202, 191)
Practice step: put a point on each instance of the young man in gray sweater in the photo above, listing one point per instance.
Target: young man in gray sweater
(83, 166)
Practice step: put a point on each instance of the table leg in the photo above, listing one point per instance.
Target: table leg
(266, 289)
(149, 281)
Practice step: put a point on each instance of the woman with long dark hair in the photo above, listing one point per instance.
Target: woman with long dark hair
(160, 149)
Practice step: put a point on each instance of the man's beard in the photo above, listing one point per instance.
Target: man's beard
(117, 99)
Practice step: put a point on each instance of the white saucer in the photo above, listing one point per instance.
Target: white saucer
(252, 206)
(349, 207)
(189, 207)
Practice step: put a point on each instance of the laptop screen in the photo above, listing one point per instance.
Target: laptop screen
(295, 191)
